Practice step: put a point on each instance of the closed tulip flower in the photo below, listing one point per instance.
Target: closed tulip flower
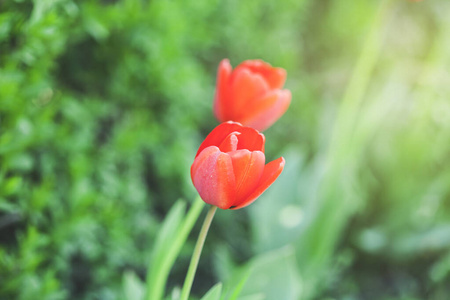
(229, 170)
(251, 94)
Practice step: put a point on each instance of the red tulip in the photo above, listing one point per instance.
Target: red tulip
(229, 170)
(251, 94)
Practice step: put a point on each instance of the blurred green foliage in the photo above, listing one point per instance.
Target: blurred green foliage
(104, 103)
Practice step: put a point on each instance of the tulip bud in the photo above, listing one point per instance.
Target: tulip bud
(251, 94)
(229, 170)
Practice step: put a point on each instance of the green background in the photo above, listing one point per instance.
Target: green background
(103, 105)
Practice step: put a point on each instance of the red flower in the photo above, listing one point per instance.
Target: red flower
(251, 94)
(229, 170)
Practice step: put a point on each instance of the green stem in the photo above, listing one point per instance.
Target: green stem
(196, 255)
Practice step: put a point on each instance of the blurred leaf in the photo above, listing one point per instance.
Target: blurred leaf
(279, 213)
(214, 293)
(133, 287)
(273, 275)
(441, 269)
(11, 185)
(237, 285)
(8, 207)
(163, 243)
(170, 240)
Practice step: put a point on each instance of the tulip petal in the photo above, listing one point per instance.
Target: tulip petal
(252, 139)
(245, 87)
(266, 110)
(275, 77)
(248, 168)
(230, 143)
(213, 177)
(271, 172)
(222, 97)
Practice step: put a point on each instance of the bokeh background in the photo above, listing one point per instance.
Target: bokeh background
(103, 105)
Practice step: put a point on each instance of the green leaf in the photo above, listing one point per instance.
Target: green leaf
(254, 297)
(165, 238)
(12, 185)
(133, 287)
(8, 207)
(169, 242)
(168, 231)
(214, 293)
(239, 285)
(273, 276)
(278, 217)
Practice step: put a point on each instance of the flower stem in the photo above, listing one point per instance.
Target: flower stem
(196, 255)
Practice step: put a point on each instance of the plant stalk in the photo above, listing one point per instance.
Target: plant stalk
(196, 255)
